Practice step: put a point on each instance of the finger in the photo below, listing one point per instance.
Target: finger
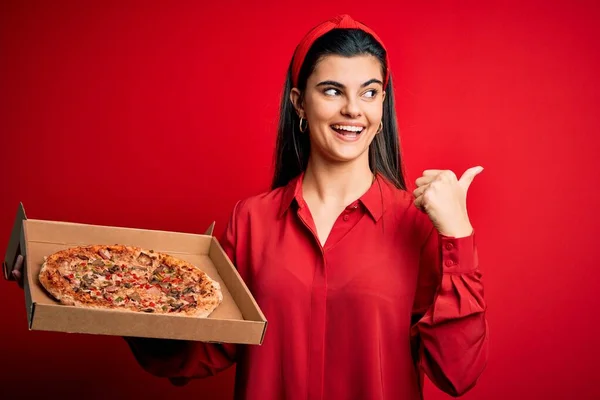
(467, 178)
(420, 190)
(18, 277)
(17, 270)
(18, 263)
(421, 209)
(420, 202)
(424, 180)
(432, 172)
(447, 175)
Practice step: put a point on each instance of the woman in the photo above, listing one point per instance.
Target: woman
(366, 287)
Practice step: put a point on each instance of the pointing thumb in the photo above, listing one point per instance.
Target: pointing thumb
(467, 178)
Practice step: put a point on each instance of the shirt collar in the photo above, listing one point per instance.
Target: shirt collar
(292, 191)
(374, 199)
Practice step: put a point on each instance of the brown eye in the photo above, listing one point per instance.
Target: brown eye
(331, 92)
(371, 93)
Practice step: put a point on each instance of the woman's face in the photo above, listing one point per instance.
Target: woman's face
(343, 105)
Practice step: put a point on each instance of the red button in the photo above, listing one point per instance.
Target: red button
(449, 246)
(346, 218)
(449, 263)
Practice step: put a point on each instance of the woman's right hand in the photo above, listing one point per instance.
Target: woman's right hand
(17, 272)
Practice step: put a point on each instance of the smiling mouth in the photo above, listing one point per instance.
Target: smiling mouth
(348, 131)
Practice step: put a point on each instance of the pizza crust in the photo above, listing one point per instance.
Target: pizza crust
(131, 279)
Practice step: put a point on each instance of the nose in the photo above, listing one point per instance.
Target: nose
(351, 108)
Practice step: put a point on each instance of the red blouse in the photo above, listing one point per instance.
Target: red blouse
(386, 299)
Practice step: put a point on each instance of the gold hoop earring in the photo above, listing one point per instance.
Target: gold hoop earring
(306, 126)
(380, 127)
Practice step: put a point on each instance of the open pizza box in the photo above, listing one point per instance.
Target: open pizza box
(237, 320)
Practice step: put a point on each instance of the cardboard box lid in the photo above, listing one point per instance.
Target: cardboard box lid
(237, 320)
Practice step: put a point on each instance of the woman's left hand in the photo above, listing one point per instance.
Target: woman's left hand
(444, 198)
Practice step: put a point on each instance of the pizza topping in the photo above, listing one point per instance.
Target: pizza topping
(104, 254)
(135, 296)
(111, 289)
(98, 263)
(144, 259)
(154, 291)
(189, 298)
(82, 257)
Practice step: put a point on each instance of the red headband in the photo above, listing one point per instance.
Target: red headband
(341, 21)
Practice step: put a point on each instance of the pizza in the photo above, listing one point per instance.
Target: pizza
(129, 278)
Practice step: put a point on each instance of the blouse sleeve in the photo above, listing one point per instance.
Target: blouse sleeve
(450, 331)
(181, 360)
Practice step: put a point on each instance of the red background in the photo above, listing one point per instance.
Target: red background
(102, 99)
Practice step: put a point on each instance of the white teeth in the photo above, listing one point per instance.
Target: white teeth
(348, 128)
